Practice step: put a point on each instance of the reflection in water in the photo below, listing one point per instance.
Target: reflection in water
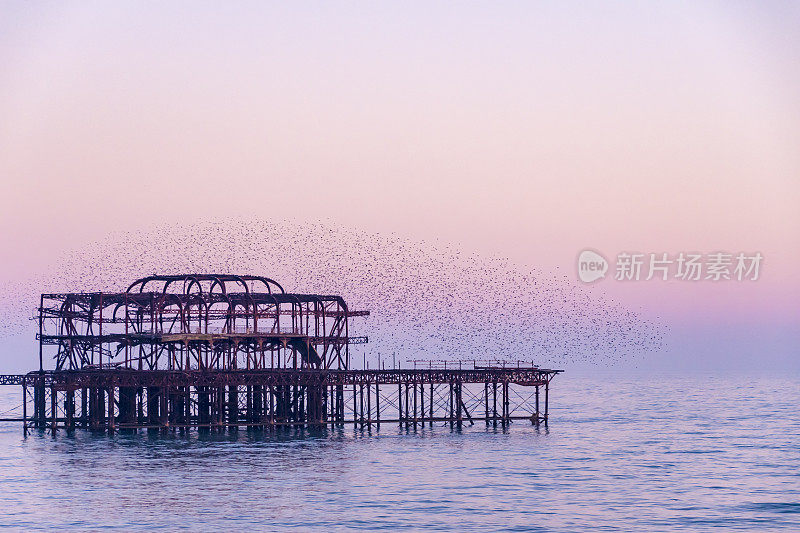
(635, 454)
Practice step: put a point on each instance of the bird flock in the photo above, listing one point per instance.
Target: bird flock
(427, 302)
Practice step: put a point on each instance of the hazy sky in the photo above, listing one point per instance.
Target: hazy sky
(528, 130)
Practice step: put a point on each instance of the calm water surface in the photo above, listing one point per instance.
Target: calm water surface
(660, 453)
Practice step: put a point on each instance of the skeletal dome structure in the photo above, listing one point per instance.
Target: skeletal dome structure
(197, 321)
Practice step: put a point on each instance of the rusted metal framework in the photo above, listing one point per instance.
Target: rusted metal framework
(117, 399)
(219, 352)
(196, 321)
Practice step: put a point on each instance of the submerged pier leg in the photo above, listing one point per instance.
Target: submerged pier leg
(152, 407)
(506, 412)
(459, 403)
(430, 405)
(486, 401)
(361, 404)
(414, 407)
(163, 410)
(340, 403)
(422, 404)
(233, 407)
(69, 409)
(369, 405)
(53, 409)
(248, 412)
(24, 407)
(39, 402)
(400, 404)
(203, 409)
(450, 414)
(377, 406)
(84, 418)
(96, 408)
(220, 419)
(127, 405)
(494, 404)
(546, 398)
(407, 406)
(140, 419)
(111, 410)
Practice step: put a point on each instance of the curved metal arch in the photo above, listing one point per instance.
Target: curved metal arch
(186, 290)
(218, 279)
(265, 281)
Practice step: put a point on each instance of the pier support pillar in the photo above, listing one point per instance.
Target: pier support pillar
(69, 409)
(233, 407)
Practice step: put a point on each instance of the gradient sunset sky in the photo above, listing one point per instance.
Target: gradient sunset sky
(520, 129)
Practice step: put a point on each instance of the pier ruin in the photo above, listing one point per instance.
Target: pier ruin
(220, 352)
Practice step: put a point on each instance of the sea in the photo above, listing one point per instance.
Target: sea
(633, 452)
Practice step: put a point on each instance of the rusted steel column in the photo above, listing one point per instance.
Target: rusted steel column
(546, 398)
(92, 411)
(53, 409)
(163, 409)
(414, 393)
(333, 406)
(284, 403)
(175, 405)
(39, 401)
(459, 415)
(84, 408)
(187, 405)
(320, 403)
(248, 415)
(299, 403)
(178, 407)
(127, 405)
(407, 407)
(340, 403)
(140, 419)
(101, 408)
(96, 417)
(355, 404)
(494, 403)
(152, 406)
(450, 414)
(24, 407)
(212, 408)
(537, 405)
(377, 406)
(323, 392)
(111, 410)
(506, 410)
(361, 404)
(254, 401)
(272, 404)
(422, 404)
(431, 405)
(306, 405)
(486, 401)
(369, 404)
(220, 419)
(400, 404)
(69, 409)
(233, 406)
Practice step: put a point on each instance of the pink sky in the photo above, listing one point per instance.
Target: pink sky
(527, 131)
